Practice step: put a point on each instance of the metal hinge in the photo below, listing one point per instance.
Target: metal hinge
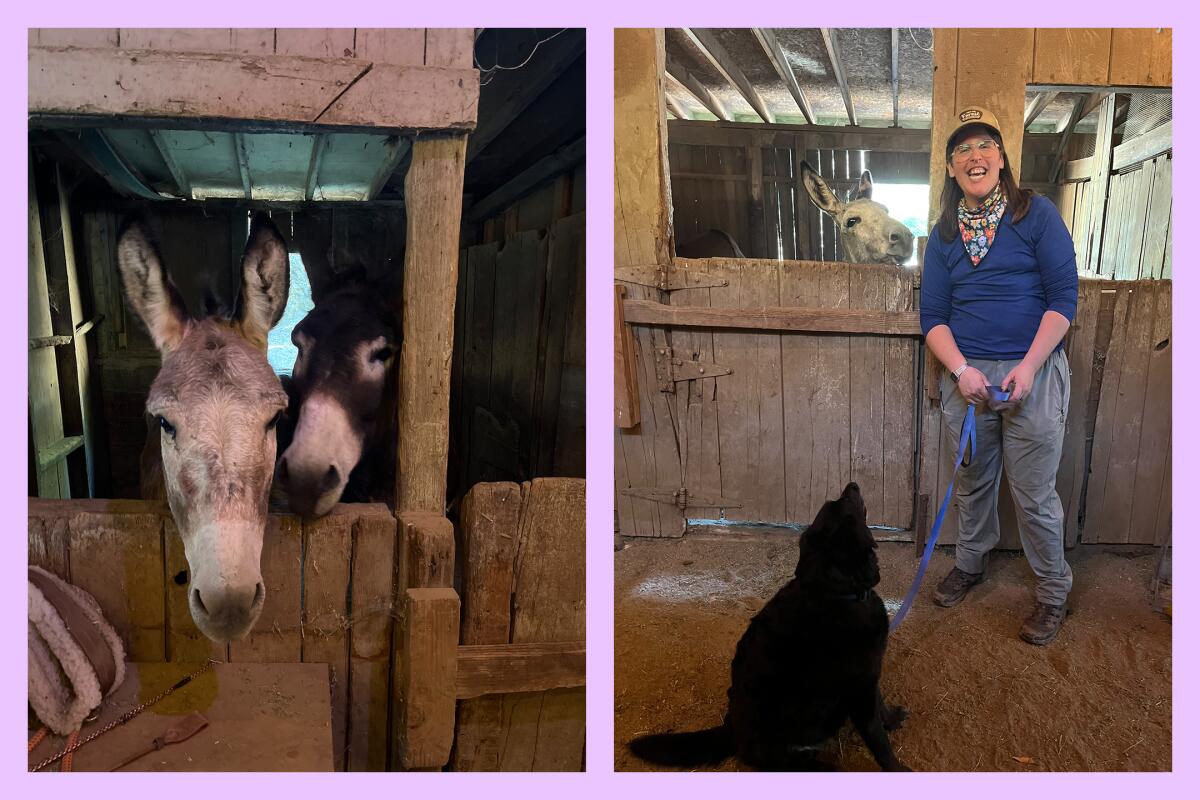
(681, 498)
(668, 370)
(668, 279)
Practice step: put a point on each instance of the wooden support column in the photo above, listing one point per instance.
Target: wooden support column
(433, 194)
(426, 678)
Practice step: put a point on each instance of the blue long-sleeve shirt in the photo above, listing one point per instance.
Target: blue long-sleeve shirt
(994, 309)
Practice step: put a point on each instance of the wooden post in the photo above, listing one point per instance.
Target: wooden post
(371, 604)
(433, 193)
(426, 678)
(426, 550)
(628, 404)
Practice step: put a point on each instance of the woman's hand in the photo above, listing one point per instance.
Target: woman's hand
(1019, 381)
(972, 385)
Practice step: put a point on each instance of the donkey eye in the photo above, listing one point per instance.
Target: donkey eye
(850, 223)
(167, 427)
(274, 420)
(382, 354)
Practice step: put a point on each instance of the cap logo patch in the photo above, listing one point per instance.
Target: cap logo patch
(970, 114)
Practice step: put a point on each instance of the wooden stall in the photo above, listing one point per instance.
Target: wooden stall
(356, 141)
(752, 390)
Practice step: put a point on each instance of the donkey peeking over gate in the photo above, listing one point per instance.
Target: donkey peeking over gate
(868, 234)
(216, 401)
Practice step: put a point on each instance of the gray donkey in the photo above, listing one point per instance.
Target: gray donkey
(868, 234)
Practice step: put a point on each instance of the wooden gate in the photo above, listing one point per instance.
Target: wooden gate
(764, 388)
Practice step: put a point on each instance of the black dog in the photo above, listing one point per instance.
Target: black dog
(809, 660)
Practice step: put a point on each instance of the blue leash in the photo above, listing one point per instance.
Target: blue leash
(967, 434)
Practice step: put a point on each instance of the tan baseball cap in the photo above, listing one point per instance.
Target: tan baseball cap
(973, 115)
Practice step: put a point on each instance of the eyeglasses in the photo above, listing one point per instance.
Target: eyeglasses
(985, 147)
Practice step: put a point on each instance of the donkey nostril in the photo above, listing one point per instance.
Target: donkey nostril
(180, 578)
(259, 593)
(199, 601)
(331, 479)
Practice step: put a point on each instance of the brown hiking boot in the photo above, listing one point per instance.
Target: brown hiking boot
(1043, 624)
(954, 587)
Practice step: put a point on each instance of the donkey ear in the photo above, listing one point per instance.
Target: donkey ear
(148, 289)
(865, 185)
(818, 190)
(264, 279)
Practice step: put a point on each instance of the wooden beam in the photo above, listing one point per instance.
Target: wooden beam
(835, 61)
(687, 80)
(779, 318)
(895, 77)
(783, 68)
(50, 455)
(320, 143)
(673, 105)
(722, 62)
(426, 681)
(1076, 115)
(1078, 170)
(628, 406)
(503, 668)
(433, 193)
(1093, 102)
(710, 132)
(556, 163)
(243, 159)
(1035, 107)
(182, 184)
(552, 59)
(397, 147)
(76, 85)
(1142, 148)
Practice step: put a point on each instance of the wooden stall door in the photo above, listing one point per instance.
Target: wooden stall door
(762, 426)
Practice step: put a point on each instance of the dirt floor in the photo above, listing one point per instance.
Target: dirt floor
(979, 698)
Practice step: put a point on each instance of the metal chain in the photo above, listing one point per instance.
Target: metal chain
(128, 715)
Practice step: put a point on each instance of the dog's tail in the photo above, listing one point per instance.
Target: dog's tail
(685, 749)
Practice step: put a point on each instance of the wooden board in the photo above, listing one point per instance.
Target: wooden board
(426, 558)
(450, 47)
(750, 401)
(546, 732)
(279, 89)
(372, 567)
(326, 618)
(117, 558)
(426, 660)
(476, 346)
(433, 193)
(391, 45)
(315, 42)
(1152, 477)
(261, 718)
(1141, 57)
(276, 637)
(489, 525)
(804, 486)
(1071, 56)
(994, 65)
(1080, 347)
(558, 429)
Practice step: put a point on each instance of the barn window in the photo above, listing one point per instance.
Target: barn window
(281, 353)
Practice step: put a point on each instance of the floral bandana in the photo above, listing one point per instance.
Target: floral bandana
(979, 226)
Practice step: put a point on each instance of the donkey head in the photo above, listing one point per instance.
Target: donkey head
(216, 401)
(346, 344)
(868, 234)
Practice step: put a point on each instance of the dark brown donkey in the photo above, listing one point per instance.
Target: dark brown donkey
(339, 445)
(216, 401)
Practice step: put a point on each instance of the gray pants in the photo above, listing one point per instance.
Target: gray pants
(1029, 441)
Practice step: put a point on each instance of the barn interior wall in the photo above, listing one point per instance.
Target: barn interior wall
(518, 369)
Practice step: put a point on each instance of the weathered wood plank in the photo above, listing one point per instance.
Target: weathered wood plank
(450, 47)
(867, 365)
(627, 406)
(372, 577)
(506, 668)
(325, 616)
(1140, 57)
(776, 318)
(118, 558)
(49, 538)
(1106, 419)
(426, 667)
(276, 637)
(696, 406)
(315, 42)
(405, 46)
(261, 88)
(477, 344)
(799, 285)
(1071, 56)
(1154, 444)
(1081, 344)
(426, 550)
(750, 402)
(831, 403)
(433, 193)
(74, 37)
(1157, 220)
(489, 530)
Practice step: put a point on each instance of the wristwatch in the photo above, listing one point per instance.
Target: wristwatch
(954, 376)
